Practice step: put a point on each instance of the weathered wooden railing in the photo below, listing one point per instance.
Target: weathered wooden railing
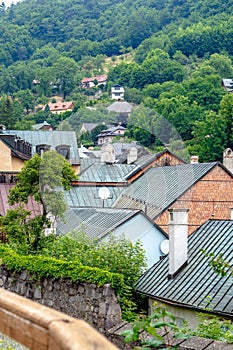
(41, 328)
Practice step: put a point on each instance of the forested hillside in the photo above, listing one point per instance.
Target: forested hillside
(179, 53)
(88, 27)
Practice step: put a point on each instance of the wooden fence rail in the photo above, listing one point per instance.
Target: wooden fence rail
(39, 327)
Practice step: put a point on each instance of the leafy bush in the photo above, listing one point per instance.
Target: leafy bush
(117, 261)
(41, 267)
(213, 327)
(117, 255)
(146, 330)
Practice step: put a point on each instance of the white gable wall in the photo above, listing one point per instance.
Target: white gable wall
(140, 228)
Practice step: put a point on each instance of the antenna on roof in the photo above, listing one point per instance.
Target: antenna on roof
(104, 193)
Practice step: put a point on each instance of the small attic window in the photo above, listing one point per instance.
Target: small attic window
(40, 149)
(64, 150)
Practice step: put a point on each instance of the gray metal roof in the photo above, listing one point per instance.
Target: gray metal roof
(120, 107)
(197, 284)
(120, 147)
(102, 172)
(87, 196)
(40, 125)
(89, 126)
(53, 138)
(95, 222)
(159, 187)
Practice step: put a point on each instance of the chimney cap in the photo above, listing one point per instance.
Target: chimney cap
(194, 159)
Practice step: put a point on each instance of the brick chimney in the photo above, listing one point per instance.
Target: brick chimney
(194, 159)
(178, 240)
(228, 159)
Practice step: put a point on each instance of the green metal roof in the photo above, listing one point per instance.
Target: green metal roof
(95, 222)
(197, 283)
(52, 138)
(87, 196)
(159, 187)
(102, 172)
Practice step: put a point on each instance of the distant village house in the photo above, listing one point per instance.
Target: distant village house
(108, 135)
(91, 82)
(117, 92)
(60, 107)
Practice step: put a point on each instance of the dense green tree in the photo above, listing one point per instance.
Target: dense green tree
(142, 136)
(27, 99)
(205, 90)
(64, 70)
(86, 115)
(97, 130)
(133, 95)
(8, 84)
(45, 77)
(117, 255)
(181, 113)
(159, 68)
(226, 111)
(7, 116)
(40, 178)
(209, 137)
(222, 65)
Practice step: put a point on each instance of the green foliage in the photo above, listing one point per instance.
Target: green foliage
(7, 115)
(212, 327)
(27, 99)
(209, 137)
(84, 115)
(180, 51)
(41, 177)
(160, 320)
(41, 267)
(83, 260)
(117, 255)
(64, 71)
(220, 265)
(23, 233)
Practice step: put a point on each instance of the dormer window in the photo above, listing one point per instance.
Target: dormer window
(40, 149)
(64, 150)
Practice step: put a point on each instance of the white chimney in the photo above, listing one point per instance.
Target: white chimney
(194, 159)
(108, 154)
(178, 240)
(132, 155)
(228, 159)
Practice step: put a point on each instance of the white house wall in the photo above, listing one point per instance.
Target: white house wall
(139, 227)
(181, 313)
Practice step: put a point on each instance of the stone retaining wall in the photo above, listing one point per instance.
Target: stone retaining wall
(97, 306)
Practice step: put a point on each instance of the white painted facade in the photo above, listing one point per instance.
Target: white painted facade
(117, 92)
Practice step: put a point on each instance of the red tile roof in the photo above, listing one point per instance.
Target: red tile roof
(60, 106)
(99, 78)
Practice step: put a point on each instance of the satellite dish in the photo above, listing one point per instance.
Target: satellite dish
(104, 193)
(164, 246)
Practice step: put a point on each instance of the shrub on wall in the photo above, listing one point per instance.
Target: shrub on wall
(40, 267)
